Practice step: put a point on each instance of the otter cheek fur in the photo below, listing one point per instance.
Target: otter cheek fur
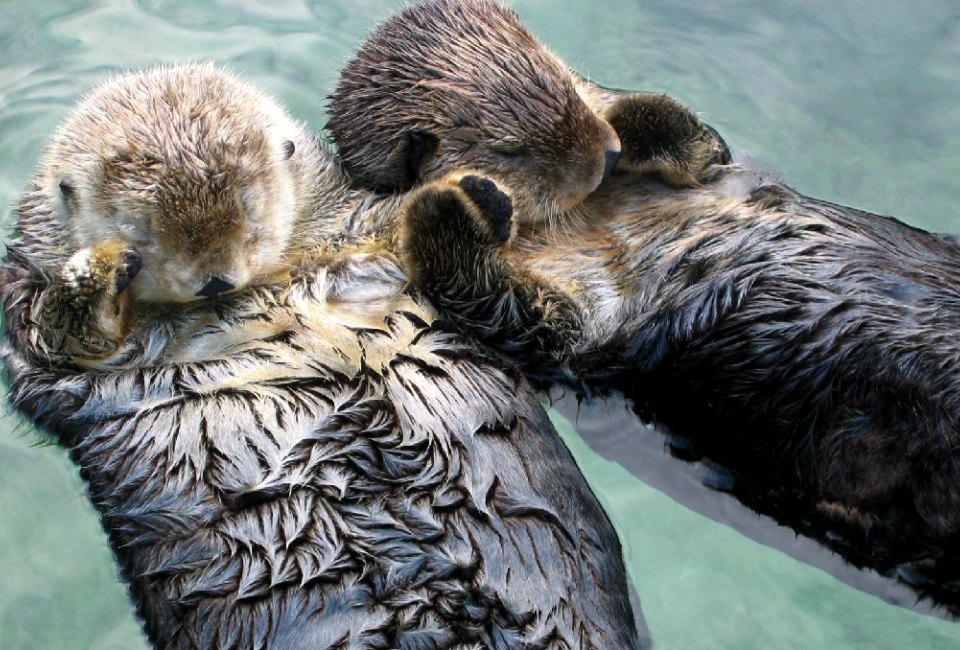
(469, 77)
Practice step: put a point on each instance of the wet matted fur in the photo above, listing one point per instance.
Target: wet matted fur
(308, 462)
(810, 348)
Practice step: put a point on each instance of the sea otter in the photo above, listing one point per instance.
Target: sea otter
(302, 459)
(808, 347)
(447, 84)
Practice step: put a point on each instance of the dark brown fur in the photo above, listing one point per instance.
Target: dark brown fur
(450, 84)
(470, 76)
(811, 348)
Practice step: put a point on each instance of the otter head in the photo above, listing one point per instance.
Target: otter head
(189, 167)
(461, 84)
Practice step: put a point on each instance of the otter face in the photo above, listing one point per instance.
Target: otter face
(199, 231)
(187, 166)
(554, 157)
(489, 97)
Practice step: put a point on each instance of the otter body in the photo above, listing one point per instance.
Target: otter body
(305, 461)
(312, 465)
(808, 347)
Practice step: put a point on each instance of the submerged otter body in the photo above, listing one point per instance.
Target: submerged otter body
(307, 461)
(808, 347)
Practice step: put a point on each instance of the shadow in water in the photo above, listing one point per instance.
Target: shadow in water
(611, 429)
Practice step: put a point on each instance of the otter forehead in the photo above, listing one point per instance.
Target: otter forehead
(183, 175)
(191, 207)
(191, 117)
(476, 51)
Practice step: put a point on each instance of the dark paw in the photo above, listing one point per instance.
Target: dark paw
(127, 270)
(721, 152)
(662, 137)
(495, 204)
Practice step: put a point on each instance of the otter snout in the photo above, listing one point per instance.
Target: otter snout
(612, 158)
(214, 287)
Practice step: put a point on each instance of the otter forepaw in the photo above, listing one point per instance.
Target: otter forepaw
(452, 231)
(93, 304)
(662, 137)
(100, 272)
(460, 212)
(493, 203)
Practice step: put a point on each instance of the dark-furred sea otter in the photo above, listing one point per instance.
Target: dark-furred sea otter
(810, 348)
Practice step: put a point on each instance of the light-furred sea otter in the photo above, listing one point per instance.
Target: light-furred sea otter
(810, 348)
(303, 461)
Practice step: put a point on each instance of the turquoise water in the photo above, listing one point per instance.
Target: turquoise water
(856, 102)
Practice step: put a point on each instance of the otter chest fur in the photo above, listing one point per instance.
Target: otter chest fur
(313, 465)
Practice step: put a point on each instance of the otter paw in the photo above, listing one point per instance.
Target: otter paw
(93, 304)
(662, 137)
(492, 202)
(452, 230)
(466, 213)
(101, 271)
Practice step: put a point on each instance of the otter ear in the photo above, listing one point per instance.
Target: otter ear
(67, 189)
(420, 146)
(288, 149)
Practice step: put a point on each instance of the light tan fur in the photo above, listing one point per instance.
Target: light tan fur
(160, 181)
(187, 165)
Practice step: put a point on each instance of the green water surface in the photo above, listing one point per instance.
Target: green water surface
(852, 101)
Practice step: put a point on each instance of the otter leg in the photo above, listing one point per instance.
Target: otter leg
(85, 312)
(660, 136)
(454, 241)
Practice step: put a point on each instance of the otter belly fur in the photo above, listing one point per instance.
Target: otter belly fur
(810, 348)
(307, 461)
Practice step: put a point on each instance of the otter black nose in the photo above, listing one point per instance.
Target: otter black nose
(613, 157)
(214, 287)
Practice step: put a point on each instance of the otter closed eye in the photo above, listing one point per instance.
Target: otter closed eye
(510, 148)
